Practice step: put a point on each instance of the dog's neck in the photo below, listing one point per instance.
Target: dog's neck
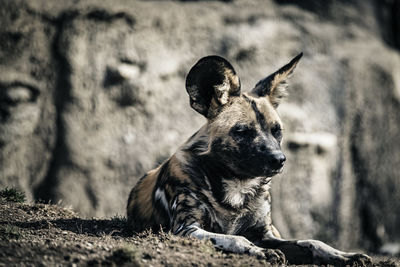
(238, 192)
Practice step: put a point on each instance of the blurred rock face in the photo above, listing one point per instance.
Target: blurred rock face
(97, 113)
(112, 115)
(92, 96)
(27, 79)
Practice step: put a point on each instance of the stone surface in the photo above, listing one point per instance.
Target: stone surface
(92, 96)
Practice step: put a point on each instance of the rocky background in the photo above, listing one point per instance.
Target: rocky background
(92, 96)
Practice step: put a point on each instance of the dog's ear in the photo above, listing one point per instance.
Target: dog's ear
(210, 83)
(275, 85)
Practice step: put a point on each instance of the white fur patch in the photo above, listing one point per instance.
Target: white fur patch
(236, 190)
(222, 92)
(160, 195)
(264, 206)
(174, 204)
(231, 243)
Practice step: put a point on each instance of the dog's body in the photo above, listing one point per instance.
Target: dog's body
(216, 186)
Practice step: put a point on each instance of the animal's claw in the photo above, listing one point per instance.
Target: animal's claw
(359, 259)
(274, 256)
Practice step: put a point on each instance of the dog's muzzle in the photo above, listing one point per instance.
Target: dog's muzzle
(276, 160)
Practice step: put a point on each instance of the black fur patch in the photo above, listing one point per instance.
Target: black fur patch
(260, 117)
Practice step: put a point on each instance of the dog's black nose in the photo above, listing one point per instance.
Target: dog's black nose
(277, 159)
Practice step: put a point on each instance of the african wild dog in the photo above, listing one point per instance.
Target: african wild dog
(216, 186)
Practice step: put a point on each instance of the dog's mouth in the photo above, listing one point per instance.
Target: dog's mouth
(270, 173)
(246, 169)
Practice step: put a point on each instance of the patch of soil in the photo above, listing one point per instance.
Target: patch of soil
(48, 235)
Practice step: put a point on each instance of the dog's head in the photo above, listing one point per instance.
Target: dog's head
(244, 130)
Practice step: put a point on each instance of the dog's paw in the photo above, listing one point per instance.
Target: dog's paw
(274, 256)
(358, 259)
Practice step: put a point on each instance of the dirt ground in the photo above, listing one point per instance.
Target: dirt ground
(49, 235)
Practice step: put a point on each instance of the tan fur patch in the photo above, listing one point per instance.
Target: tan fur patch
(143, 196)
(266, 108)
(176, 169)
(237, 110)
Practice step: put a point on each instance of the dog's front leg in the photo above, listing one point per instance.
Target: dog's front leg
(313, 252)
(232, 243)
(325, 254)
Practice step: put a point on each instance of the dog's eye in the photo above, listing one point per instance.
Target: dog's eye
(243, 132)
(240, 128)
(276, 131)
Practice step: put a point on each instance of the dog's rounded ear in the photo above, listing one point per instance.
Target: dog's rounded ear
(210, 83)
